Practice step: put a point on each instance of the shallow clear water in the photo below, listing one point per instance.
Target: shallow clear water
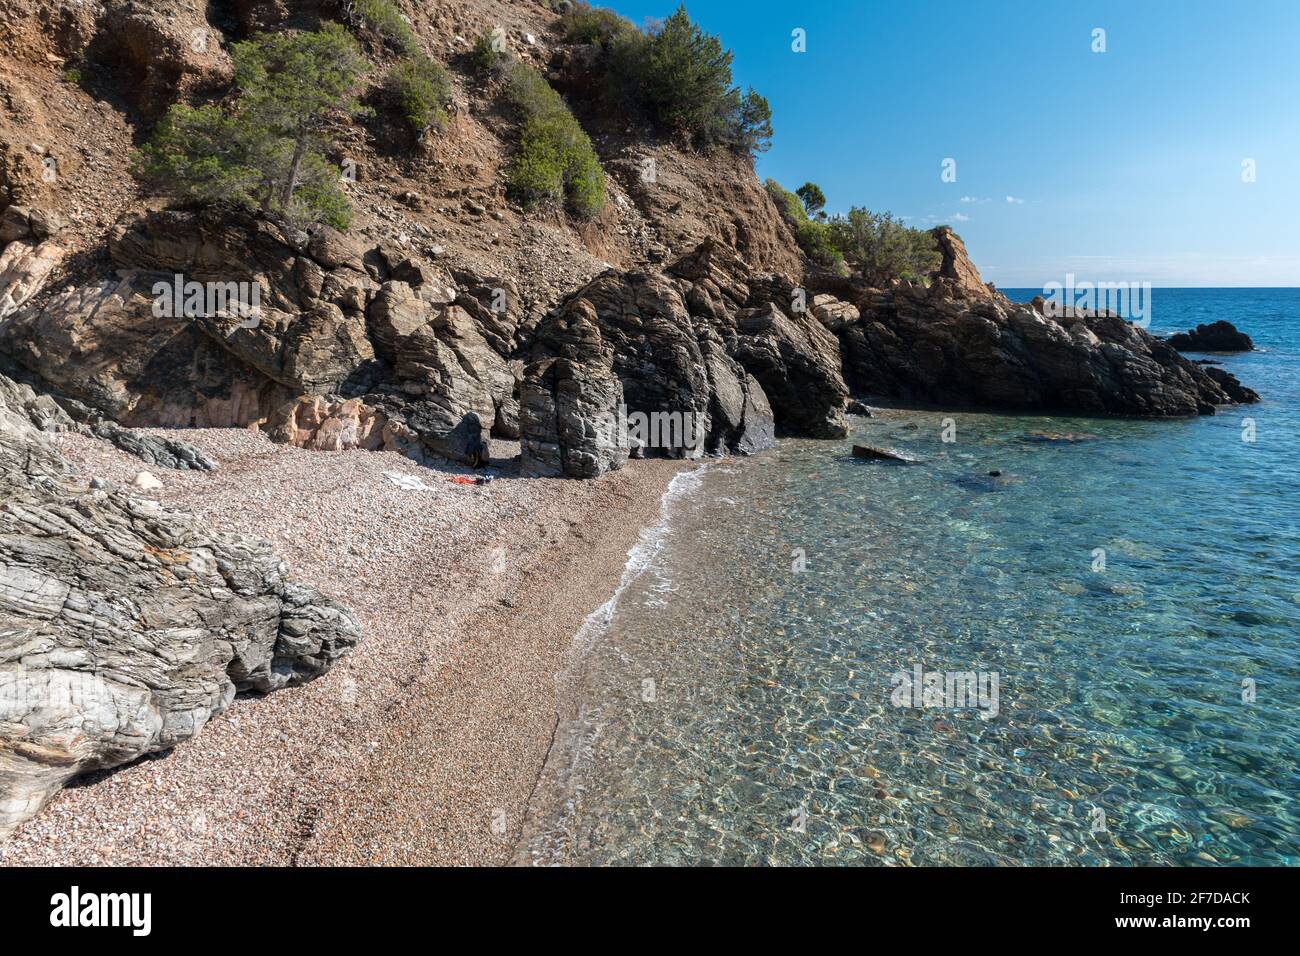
(735, 710)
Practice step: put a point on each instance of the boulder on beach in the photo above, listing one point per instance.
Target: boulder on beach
(1220, 336)
(125, 626)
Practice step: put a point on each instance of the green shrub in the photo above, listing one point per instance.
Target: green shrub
(420, 89)
(537, 172)
(554, 159)
(682, 75)
(383, 19)
(815, 238)
(595, 25)
(882, 248)
(677, 76)
(490, 54)
(264, 152)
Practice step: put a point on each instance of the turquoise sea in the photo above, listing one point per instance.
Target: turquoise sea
(1134, 594)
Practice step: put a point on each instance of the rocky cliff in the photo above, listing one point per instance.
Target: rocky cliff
(448, 314)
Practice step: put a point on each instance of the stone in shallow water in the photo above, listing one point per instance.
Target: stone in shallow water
(992, 481)
(871, 453)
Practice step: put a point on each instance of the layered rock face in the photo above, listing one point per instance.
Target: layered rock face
(719, 357)
(959, 342)
(377, 350)
(220, 319)
(123, 626)
(746, 354)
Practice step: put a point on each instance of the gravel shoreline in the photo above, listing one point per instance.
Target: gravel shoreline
(424, 745)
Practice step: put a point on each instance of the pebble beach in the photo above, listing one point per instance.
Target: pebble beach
(423, 746)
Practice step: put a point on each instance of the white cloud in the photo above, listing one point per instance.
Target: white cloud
(1013, 200)
(961, 217)
(970, 199)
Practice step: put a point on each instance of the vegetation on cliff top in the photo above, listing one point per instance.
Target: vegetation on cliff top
(676, 76)
(877, 246)
(812, 234)
(266, 151)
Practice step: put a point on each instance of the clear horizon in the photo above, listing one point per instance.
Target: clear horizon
(1162, 159)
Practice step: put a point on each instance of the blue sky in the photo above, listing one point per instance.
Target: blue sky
(1123, 165)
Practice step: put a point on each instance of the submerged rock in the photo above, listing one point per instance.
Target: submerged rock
(1058, 438)
(990, 481)
(871, 453)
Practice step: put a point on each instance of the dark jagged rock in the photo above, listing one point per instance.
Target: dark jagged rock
(333, 323)
(951, 343)
(569, 419)
(1220, 336)
(705, 341)
(124, 626)
(58, 413)
(161, 451)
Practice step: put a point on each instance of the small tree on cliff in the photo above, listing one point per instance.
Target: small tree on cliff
(267, 151)
(814, 200)
(680, 77)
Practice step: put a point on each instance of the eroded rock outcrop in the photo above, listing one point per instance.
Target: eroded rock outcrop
(720, 356)
(124, 626)
(328, 320)
(958, 342)
(955, 266)
(353, 348)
